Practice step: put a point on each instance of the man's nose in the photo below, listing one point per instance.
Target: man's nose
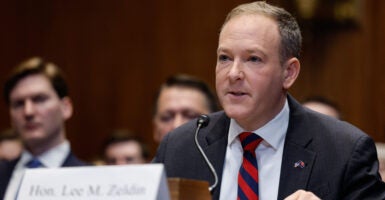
(236, 71)
(179, 120)
(29, 109)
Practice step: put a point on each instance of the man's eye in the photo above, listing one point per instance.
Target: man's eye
(111, 161)
(129, 159)
(39, 98)
(255, 59)
(190, 115)
(166, 118)
(17, 104)
(223, 58)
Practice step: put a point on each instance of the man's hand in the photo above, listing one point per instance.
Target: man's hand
(302, 195)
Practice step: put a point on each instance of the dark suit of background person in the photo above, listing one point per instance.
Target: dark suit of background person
(257, 63)
(39, 105)
(6, 169)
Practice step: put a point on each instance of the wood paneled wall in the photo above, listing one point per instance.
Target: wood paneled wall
(347, 66)
(117, 53)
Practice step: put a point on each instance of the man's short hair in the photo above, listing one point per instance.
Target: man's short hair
(324, 101)
(119, 136)
(187, 81)
(291, 38)
(34, 66)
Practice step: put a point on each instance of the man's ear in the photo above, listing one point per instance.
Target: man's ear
(291, 72)
(67, 108)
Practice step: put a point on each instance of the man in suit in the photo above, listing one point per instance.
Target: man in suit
(38, 101)
(301, 154)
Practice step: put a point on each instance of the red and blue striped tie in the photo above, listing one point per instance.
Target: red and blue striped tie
(248, 172)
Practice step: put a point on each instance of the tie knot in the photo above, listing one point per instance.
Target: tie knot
(34, 163)
(249, 141)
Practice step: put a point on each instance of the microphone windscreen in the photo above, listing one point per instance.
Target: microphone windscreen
(203, 121)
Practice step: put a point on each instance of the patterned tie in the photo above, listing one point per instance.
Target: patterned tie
(34, 163)
(248, 172)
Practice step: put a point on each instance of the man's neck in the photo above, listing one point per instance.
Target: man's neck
(38, 148)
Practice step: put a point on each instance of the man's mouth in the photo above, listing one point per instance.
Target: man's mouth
(31, 126)
(237, 93)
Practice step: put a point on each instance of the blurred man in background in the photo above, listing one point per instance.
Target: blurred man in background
(122, 147)
(10, 145)
(180, 99)
(37, 96)
(381, 158)
(322, 105)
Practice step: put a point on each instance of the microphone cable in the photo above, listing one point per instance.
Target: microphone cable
(202, 122)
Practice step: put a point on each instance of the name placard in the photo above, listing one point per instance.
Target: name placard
(136, 182)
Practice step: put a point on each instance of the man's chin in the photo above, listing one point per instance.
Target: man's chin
(33, 141)
(236, 112)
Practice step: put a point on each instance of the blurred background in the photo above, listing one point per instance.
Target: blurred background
(116, 53)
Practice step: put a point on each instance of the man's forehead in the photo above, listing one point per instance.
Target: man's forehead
(31, 86)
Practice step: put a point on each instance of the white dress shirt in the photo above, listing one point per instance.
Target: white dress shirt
(268, 153)
(53, 158)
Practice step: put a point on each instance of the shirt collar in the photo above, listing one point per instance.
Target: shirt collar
(52, 158)
(273, 133)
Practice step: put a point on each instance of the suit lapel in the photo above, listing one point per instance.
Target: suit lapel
(6, 170)
(72, 160)
(298, 159)
(297, 164)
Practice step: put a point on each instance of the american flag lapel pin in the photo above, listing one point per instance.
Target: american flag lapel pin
(299, 164)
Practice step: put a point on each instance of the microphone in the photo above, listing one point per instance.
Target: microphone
(202, 122)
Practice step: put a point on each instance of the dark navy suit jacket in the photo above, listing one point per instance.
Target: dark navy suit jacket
(340, 160)
(6, 169)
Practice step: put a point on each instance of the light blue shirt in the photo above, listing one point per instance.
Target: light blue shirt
(53, 158)
(268, 153)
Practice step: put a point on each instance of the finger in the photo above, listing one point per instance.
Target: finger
(302, 195)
